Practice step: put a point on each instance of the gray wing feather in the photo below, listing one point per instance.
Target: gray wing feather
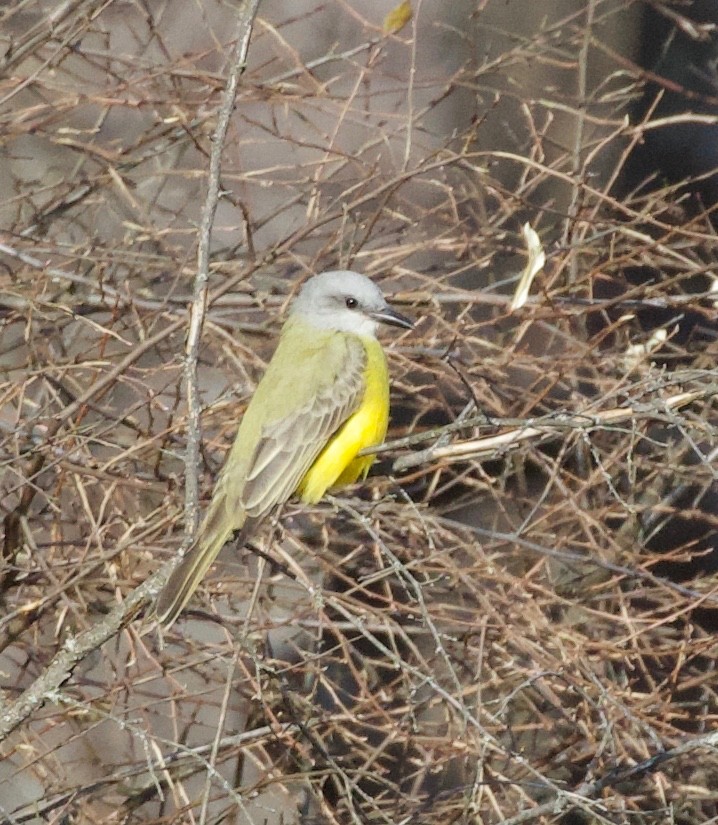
(288, 447)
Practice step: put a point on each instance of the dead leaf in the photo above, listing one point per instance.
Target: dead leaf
(397, 18)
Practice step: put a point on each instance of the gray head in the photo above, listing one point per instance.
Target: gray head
(345, 301)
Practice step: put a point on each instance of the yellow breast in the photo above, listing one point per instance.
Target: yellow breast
(337, 464)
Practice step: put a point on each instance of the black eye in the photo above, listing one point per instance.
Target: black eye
(351, 303)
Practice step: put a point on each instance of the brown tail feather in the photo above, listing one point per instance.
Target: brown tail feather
(191, 570)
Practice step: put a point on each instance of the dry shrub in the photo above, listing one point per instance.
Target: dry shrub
(514, 631)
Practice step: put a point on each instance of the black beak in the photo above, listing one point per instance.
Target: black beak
(390, 316)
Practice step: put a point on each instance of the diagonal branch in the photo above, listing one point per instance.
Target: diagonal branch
(75, 648)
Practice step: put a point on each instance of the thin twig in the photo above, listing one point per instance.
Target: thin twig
(490, 446)
(237, 65)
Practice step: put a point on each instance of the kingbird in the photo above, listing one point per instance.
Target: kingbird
(323, 399)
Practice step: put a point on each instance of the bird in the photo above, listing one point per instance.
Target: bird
(324, 398)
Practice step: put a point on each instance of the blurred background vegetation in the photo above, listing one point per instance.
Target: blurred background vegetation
(516, 631)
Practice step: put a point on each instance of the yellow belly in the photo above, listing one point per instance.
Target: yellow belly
(337, 464)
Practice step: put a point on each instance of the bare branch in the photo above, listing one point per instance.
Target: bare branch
(237, 65)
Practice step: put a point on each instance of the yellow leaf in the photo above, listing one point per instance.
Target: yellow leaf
(397, 18)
